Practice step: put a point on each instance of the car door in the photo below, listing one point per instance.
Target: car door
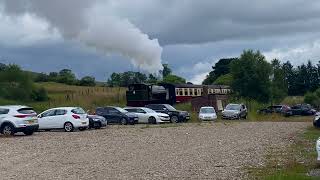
(243, 110)
(59, 118)
(115, 115)
(3, 114)
(46, 119)
(143, 115)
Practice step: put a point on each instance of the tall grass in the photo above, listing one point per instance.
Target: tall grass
(86, 97)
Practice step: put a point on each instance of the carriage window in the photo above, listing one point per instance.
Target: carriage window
(191, 92)
(181, 92)
(177, 92)
(196, 92)
(201, 92)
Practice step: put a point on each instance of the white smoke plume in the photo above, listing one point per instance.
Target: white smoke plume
(88, 22)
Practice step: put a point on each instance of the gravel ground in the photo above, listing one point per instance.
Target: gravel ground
(189, 151)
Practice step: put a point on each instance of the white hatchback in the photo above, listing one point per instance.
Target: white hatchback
(147, 115)
(207, 114)
(318, 148)
(67, 118)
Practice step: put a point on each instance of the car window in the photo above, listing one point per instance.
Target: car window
(4, 111)
(26, 111)
(60, 112)
(113, 111)
(131, 110)
(140, 111)
(48, 113)
(78, 111)
(243, 107)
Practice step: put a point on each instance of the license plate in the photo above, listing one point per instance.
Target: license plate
(84, 122)
(187, 117)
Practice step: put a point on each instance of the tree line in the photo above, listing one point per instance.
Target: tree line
(16, 84)
(251, 76)
(130, 77)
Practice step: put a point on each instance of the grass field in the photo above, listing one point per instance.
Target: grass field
(87, 97)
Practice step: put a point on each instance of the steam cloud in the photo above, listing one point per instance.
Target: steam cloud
(87, 22)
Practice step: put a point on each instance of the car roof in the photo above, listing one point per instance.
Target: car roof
(66, 108)
(234, 104)
(16, 107)
(207, 107)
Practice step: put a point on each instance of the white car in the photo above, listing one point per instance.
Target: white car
(318, 148)
(207, 114)
(147, 115)
(67, 118)
(15, 119)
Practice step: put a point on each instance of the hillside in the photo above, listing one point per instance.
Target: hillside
(66, 95)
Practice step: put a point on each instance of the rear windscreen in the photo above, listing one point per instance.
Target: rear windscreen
(78, 111)
(4, 111)
(26, 111)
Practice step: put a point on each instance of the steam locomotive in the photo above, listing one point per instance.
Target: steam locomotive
(164, 93)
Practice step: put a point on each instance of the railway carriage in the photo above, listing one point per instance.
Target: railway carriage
(165, 93)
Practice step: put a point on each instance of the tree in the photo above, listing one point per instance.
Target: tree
(2, 67)
(173, 79)
(166, 70)
(222, 67)
(152, 79)
(224, 80)
(53, 76)
(87, 81)
(251, 76)
(41, 77)
(66, 76)
(279, 86)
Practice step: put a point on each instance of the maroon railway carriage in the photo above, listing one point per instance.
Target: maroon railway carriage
(165, 93)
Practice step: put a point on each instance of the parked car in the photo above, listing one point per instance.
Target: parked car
(303, 109)
(117, 115)
(14, 119)
(176, 116)
(281, 109)
(318, 148)
(67, 118)
(235, 111)
(271, 109)
(147, 115)
(316, 121)
(97, 122)
(207, 113)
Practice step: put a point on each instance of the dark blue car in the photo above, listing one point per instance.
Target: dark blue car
(117, 115)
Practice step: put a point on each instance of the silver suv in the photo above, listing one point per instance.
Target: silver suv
(235, 111)
(15, 119)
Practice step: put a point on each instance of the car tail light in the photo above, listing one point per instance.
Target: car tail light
(21, 116)
(75, 116)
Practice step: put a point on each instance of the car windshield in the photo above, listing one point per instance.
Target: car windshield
(148, 110)
(169, 107)
(233, 107)
(207, 110)
(78, 111)
(121, 110)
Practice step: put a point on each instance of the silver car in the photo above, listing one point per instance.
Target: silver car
(235, 111)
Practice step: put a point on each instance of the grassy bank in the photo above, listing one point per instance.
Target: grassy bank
(295, 162)
(66, 95)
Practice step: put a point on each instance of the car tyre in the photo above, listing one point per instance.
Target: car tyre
(8, 130)
(152, 120)
(68, 127)
(174, 119)
(123, 121)
(28, 133)
(82, 129)
(97, 125)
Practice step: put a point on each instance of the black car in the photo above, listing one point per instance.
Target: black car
(271, 109)
(303, 109)
(97, 122)
(175, 115)
(117, 115)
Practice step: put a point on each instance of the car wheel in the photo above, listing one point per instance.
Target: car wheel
(8, 130)
(152, 120)
(28, 133)
(82, 129)
(97, 125)
(68, 127)
(174, 119)
(123, 121)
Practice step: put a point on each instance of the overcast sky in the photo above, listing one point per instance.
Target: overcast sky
(97, 37)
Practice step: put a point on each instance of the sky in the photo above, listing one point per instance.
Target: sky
(99, 37)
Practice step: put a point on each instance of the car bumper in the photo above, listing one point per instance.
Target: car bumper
(207, 118)
(81, 124)
(23, 128)
(163, 120)
(230, 117)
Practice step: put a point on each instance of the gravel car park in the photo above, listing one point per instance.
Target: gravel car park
(184, 151)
